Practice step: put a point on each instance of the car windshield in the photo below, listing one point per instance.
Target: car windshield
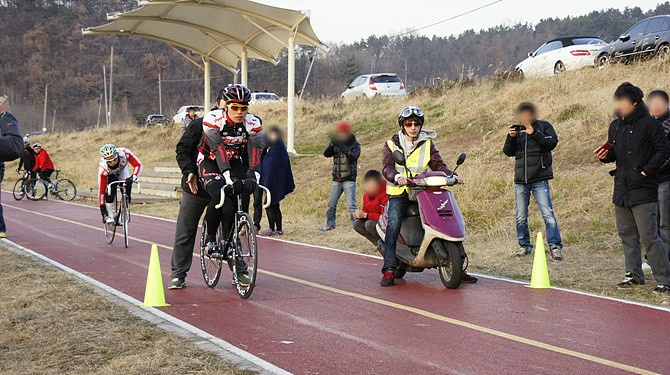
(586, 41)
(385, 79)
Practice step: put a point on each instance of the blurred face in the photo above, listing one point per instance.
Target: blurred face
(37, 149)
(525, 117)
(412, 127)
(237, 112)
(343, 136)
(624, 107)
(273, 137)
(658, 106)
(371, 186)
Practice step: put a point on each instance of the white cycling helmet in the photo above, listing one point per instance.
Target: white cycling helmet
(107, 150)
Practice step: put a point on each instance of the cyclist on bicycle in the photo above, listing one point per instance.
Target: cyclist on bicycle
(43, 164)
(27, 159)
(114, 167)
(230, 155)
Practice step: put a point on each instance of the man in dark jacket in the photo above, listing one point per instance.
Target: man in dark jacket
(638, 145)
(11, 144)
(531, 143)
(345, 150)
(27, 161)
(659, 104)
(193, 202)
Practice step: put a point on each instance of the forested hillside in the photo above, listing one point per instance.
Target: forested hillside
(42, 44)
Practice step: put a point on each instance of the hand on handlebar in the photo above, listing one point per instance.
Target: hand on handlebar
(402, 181)
(238, 187)
(459, 179)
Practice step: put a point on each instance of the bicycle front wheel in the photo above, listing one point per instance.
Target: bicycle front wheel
(18, 189)
(126, 219)
(65, 190)
(246, 256)
(35, 189)
(210, 265)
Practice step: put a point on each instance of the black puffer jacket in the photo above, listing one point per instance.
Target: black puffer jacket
(532, 153)
(11, 142)
(187, 155)
(664, 173)
(345, 158)
(640, 144)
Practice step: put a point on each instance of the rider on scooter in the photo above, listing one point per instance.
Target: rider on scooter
(421, 155)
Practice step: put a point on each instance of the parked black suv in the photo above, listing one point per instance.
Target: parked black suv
(646, 38)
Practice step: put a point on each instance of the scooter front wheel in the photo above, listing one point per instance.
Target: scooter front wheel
(451, 272)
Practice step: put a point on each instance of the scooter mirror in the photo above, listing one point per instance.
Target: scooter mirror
(461, 158)
(399, 157)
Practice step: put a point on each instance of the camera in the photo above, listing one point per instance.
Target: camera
(519, 128)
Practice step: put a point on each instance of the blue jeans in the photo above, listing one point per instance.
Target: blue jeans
(542, 194)
(349, 190)
(397, 209)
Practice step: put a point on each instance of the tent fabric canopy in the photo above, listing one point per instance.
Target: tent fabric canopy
(223, 31)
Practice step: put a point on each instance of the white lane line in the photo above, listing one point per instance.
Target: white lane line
(260, 363)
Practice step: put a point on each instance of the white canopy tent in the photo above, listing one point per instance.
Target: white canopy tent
(223, 32)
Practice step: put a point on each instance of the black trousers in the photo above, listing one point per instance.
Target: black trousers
(191, 208)
(46, 174)
(274, 217)
(214, 181)
(258, 207)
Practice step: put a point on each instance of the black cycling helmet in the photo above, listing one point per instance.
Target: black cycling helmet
(238, 94)
(410, 111)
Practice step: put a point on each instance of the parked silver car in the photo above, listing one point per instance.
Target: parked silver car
(371, 85)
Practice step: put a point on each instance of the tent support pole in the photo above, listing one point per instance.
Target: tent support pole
(208, 90)
(245, 66)
(290, 94)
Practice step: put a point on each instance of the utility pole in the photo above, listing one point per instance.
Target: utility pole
(99, 110)
(104, 79)
(309, 71)
(111, 79)
(406, 81)
(53, 122)
(46, 95)
(160, 95)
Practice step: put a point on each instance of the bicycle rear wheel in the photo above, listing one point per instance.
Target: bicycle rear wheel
(246, 255)
(211, 266)
(18, 189)
(35, 189)
(110, 228)
(125, 212)
(65, 190)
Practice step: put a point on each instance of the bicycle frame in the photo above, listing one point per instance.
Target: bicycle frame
(124, 212)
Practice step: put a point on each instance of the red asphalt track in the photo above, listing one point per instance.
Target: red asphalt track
(319, 311)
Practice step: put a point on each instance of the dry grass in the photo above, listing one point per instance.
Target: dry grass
(468, 117)
(53, 324)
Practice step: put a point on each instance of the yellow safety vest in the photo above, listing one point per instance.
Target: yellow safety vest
(416, 162)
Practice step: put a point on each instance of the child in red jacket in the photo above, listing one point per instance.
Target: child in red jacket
(374, 201)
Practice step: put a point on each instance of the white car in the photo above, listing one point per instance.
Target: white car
(264, 97)
(559, 55)
(371, 85)
(181, 113)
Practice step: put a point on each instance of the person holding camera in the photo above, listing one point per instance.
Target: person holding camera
(530, 143)
(638, 145)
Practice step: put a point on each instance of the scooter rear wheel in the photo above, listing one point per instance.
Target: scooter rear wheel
(452, 272)
(400, 271)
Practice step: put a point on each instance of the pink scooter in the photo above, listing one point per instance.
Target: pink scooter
(433, 230)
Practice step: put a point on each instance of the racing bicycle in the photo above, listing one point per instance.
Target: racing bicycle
(19, 187)
(239, 250)
(121, 212)
(37, 189)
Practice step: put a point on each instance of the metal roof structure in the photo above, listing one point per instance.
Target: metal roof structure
(220, 31)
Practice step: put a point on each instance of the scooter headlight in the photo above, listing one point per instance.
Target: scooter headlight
(434, 181)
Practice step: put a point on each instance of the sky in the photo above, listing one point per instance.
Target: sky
(352, 20)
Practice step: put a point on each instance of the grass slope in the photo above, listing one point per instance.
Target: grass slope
(469, 117)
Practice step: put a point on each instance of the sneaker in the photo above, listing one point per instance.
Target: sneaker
(109, 220)
(177, 283)
(387, 279)
(268, 233)
(662, 289)
(243, 278)
(326, 228)
(628, 282)
(468, 279)
(556, 253)
(212, 248)
(523, 252)
(279, 233)
(3, 235)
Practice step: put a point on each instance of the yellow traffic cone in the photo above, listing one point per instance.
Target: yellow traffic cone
(154, 295)
(540, 277)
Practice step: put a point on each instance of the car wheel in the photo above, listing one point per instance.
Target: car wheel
(663, 52)
(559, 68)
(603, 61)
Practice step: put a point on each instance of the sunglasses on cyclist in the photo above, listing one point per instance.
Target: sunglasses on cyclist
(113, 159)
(411, 124)
(238, 108)
(411, 111)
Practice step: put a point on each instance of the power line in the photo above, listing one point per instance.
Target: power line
(449, 19)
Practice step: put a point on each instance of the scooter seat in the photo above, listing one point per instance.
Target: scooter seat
(413, 210)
